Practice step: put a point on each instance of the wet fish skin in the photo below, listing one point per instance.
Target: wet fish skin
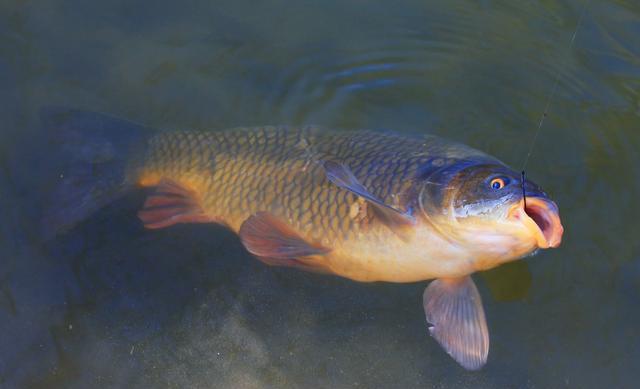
(241, 171)
(245, 170)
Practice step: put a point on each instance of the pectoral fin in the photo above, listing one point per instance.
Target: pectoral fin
(265, 236)
(454, 312)
(343, 177)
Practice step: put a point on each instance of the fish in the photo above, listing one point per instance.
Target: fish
(369, 206)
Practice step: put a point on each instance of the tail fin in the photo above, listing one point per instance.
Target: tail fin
(90, 152)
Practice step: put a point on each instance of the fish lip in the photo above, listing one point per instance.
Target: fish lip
(541, 217)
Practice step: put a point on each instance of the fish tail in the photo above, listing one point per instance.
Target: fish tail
(89, 153)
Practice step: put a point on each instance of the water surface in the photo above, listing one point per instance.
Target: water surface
(113, 305)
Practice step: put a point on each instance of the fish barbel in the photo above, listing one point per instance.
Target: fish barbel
(364, 205)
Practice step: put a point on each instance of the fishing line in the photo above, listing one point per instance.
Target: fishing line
(545, 113)
(524, 197)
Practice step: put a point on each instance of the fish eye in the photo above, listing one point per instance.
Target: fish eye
(497, 183)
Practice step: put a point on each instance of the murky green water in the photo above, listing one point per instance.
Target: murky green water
(113, 305)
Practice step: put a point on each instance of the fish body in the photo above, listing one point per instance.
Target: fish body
(364, 205)
(239, 172)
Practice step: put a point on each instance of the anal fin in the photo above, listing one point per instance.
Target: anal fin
(276, 243)
(453, 309)
(170, 204)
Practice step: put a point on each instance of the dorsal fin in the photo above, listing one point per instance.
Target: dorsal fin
(265, 236)
(342, 176)
(171, 203)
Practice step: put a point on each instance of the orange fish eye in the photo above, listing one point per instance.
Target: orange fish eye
(497, 183)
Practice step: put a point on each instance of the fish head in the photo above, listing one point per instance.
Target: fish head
(481, 207)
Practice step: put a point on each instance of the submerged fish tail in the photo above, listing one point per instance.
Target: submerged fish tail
(90, 153)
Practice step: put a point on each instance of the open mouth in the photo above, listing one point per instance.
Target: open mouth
(542, 218)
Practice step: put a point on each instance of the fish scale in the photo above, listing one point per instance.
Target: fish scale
(241, 171)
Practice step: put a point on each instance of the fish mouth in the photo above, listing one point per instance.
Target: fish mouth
(541, 218)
